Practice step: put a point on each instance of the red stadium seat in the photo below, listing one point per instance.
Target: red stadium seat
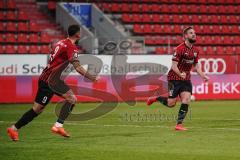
(149, 41)
(176, 29)
(125, 7)
(137, 28)
(11, 27)
(160, 40)
(229, 50)
(45, 38)
(1, 4)
(1, 38)
(186, 19)
(174, 8)
(227, 40)
(22, 38)
(223, 19)
(217, 40)
(213, 18)
(208, 40)
(146, 18)
(231, 9)
(106, 6)
(166, 29)
(236, 40)
(2, 27)
(206, 29)
(176, 19)
(219, 50)
(203, 9)
(191, 8)
(233, 19)
(235, 29)
(126, 18)
(136, 8)
(147, 28)
(165, 18)
(10, 38)
(51, 5)
(200, 40)
(136, 18)
(33, 27)
(23, 27)
(156, 18)
(45, 49)
(11, 15)
(2, 49)
(160, 50)
(237, 51)
(115, 7)
(158, 29)
(215, 29)
(222, 9)
(146, 8)
(204, 19)
(22, 49)
(33, 38)
(155, 8)
(164, 8)
(225, 29)
(9, 49)
(22, 15)
(2, 16)
(212, 9)
(33, 49)
(195, 19)
(11, 4)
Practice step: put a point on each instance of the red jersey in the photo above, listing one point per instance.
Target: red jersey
(63, 53)
(186, 58)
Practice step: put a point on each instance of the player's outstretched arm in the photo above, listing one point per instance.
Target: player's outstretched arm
(82, 71)
(200, 72)
(177, 71)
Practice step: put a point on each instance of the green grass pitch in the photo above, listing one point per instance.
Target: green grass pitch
(129, 133)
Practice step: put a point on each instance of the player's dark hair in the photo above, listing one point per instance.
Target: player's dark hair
(186, 30)
(73, 29)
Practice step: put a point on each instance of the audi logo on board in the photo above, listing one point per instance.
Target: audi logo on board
(212, 65)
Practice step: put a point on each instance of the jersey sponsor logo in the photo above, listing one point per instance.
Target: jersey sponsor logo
(212, 65)
(190, 61)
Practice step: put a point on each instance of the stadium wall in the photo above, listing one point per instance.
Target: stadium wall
(19, 76)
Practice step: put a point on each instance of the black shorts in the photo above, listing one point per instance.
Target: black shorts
(175, 87)
(45, 91)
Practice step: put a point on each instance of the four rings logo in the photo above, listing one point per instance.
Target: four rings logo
(212, 65)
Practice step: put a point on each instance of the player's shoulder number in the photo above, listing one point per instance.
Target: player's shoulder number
(54, 52)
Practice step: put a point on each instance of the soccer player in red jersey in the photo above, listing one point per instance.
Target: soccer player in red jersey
(179, 83)
(64, 52)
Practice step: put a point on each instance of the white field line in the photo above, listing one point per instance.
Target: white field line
(135, 126)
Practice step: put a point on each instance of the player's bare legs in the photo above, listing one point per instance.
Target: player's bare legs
(25, 119)
(185, 100)
(70, 100)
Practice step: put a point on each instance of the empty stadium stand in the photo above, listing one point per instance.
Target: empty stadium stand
(161, 22)
(24, 28)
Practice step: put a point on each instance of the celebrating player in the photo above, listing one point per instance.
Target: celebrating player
(64, 52)
(179, 83)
